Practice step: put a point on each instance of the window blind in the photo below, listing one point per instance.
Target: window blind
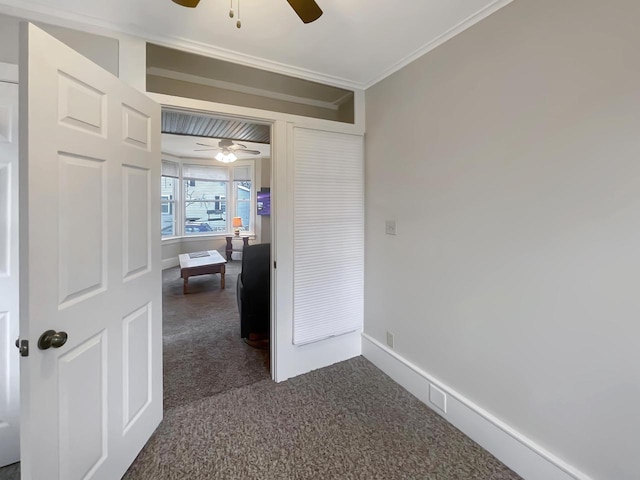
(242, 173)
(328, 235)
(169, 169)
(205, 172)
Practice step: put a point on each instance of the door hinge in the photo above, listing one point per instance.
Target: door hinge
(23, 347)
(274, 264)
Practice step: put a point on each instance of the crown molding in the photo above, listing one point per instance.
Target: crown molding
(440, 39)
(41, 13)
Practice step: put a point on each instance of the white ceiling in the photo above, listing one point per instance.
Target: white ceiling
(354, 44)
(185, 146)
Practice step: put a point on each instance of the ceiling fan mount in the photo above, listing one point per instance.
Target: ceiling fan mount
(307, 10)
(227, 146)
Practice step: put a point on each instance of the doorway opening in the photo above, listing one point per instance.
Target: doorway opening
(216, 234)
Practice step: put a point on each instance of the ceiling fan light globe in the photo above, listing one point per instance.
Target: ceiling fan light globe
(226, 157)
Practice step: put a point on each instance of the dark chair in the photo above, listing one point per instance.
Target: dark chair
(254, 291)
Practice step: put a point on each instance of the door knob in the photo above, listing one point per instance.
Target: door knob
(51, 338)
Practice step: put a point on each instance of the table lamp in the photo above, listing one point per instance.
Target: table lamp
(237, 224)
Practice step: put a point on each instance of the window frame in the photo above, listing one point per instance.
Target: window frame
(231, 202)
(165, 200)
(170, 201)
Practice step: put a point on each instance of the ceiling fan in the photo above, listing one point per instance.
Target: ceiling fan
(307, 10)
(227, 150)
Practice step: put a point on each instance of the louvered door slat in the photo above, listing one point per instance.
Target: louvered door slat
(329, 234)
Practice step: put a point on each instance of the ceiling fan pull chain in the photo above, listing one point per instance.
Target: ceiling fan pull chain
(307, 10)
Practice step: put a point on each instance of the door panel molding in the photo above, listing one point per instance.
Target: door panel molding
(91, 259)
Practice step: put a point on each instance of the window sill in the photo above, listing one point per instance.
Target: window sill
(199, 238)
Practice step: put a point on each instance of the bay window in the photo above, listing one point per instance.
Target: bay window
(205, 199)
(202, 199)
(243, 193)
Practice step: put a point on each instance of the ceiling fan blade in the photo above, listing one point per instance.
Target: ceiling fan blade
(252, 152)
(307, 10)
(206, 145)
(205, 149)
(187, 3)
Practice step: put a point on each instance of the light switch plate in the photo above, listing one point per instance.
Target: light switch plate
(390, 227)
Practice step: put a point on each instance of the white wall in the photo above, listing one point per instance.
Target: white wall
(98, 49)
(9, 27)
(510, 158)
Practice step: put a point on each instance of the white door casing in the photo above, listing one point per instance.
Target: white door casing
(287, 359)
(296, 257)
(90, 224)
(9, 359)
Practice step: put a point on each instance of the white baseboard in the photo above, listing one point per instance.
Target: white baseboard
(521, 454)
(293, 360)
(170, 262)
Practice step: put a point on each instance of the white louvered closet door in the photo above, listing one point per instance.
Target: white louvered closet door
(328, 234)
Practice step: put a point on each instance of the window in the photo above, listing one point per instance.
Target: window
(168, 195)
(243, 194)
(166, 205)
(206, 194)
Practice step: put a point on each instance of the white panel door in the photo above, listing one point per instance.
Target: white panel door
(9, 359)
(90, 227)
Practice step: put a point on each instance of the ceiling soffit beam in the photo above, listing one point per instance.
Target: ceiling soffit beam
(235, 87)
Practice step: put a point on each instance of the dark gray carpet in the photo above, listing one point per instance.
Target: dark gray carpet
(347, 421)
(203, 352)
